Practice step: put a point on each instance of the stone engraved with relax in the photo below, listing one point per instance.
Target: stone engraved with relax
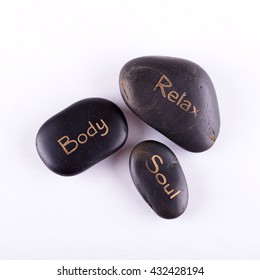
(174, 96)
(160, 178)
(82, 138)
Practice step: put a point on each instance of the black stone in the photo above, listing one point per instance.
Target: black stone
(158, 177)
(174, 96)
(80, 136)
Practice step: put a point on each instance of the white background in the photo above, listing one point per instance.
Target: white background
(54, 53)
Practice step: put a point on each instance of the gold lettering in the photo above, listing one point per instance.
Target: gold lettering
(173, 94)
(185, 105)
(69, 146)
(180, 100)
(93, 129)
(160, 178)
(154, 163)
(195, 111)
(162, 86)
(101, 128)
(166, 191)
(82, 141)
(66, 143)
(175, 194)
(159, 175)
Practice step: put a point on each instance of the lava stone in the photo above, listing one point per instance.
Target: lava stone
(81, 135)
(158, 176)
(174, 96)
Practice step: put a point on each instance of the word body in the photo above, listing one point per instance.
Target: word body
(71, 145)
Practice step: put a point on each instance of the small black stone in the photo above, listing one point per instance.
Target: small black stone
(81, 135)
(159, 178)
(174, 96)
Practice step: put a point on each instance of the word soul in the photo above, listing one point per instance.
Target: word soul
(159, 177)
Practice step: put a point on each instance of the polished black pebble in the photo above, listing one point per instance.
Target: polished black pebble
(81, 135)
(174, 96)
(157, 175)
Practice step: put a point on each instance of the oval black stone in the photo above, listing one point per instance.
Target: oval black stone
(174, 96)
(159, 178)
(81, 135)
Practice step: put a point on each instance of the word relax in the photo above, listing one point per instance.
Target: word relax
(174, 96)
(70, 146)
(160, 178)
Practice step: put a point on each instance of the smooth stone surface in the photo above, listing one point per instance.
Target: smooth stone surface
(159, 178)
(174, 96)
(80, 136)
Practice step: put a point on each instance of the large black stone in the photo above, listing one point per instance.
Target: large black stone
(80, 136)
(174, 96)
(158, 177)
